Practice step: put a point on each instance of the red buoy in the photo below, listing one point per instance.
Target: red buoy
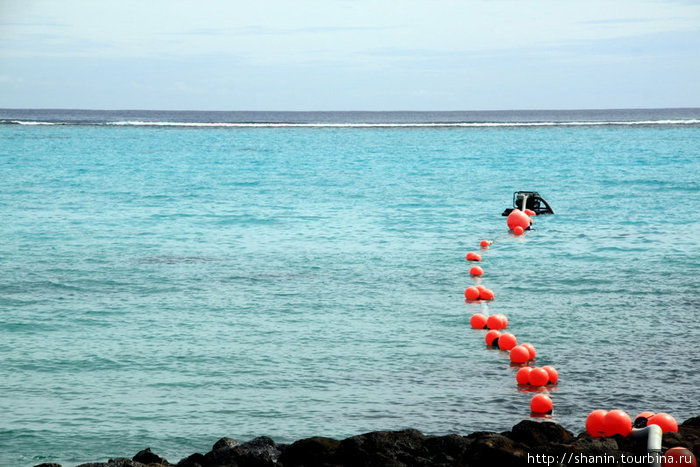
(491, 336)
(617, 422)
(680, 456)
(497, 321)
(471, 293)
(486, 294)
(517, 218)
(595, 423)
(532, 350)
(541, 403)
(478, 321)
(523, 374)
(518, 230)
(520, 354)
(471, 256)
(665, 421)
(507, 341)
(476, 271)
(494, 322)
(539, 377)
(553, 374)
(485, 243)
(530, 212)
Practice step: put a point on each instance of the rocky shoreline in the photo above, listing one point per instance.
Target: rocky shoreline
(529, 443)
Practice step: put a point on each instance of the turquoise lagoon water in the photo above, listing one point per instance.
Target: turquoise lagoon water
(166, 282)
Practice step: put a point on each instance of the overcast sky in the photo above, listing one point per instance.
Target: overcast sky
(349, 54)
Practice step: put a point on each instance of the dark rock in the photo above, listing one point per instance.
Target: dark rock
(383, 448)
(494, 449)
(600, 445)
(695, 421)
(310, 452)
(518, 447)
(116, 462)
(448, 450)
(690, 433)
(480, 434)
(597, 451)
(261, 446)
(194, 460)
(224, 457)
(147, 457)
(540, 433)
(630, 444)
(225, 443)
(258, 452)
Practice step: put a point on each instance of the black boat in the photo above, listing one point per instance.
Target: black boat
(529, 200)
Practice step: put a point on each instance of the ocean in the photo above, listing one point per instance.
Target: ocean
(170, 278)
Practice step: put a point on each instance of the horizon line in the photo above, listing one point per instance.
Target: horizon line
(349, 111)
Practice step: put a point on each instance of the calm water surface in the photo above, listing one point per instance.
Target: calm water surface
(165, 286)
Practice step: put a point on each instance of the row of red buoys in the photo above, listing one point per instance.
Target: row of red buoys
(520, 354)
(617, 422)
(519, 221)
(598, 422)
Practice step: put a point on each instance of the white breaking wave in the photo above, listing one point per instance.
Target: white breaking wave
(25, 122)
(139, 123)
(402, 125)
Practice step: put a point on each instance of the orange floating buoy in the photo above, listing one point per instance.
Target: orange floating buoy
(494, 322)
(471, 256)
(486, 294)
(480, 287)
(517, 218)
(518, 230)
(530, 212)
(539, 377)
(541, 403)
(485, 243)
(476, 271)
(680, 456)
(471, 293)
(595, 423)
(532, 350)
(497, 321)
(617, 422)
(665, 421)
(552, 373)
(520, 354)
(491, 336)
(478, 321)
(507, 341)
(523, 374)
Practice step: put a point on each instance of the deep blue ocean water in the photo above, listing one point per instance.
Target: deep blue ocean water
(169, 278)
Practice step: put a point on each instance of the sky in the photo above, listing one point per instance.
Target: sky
(349, 54)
